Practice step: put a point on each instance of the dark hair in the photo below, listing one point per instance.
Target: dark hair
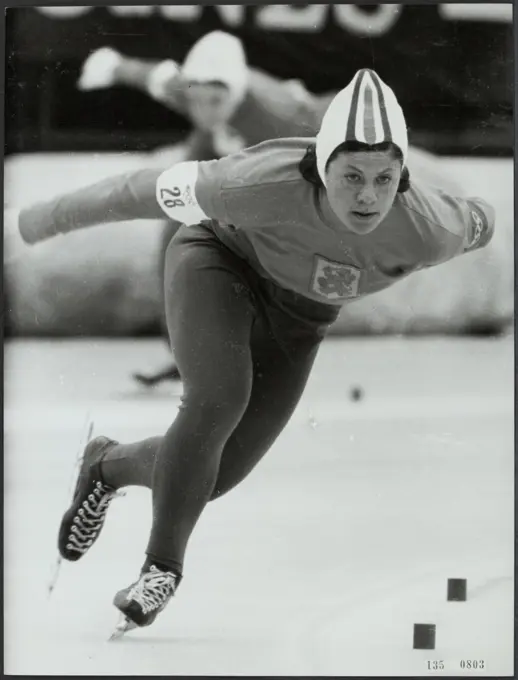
(308, 165)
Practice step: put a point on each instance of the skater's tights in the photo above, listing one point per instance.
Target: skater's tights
(240, 389)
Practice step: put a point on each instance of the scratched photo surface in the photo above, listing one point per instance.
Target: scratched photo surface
(259, 357)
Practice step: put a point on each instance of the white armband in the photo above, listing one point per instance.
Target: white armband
(176, 195)
(159, 77)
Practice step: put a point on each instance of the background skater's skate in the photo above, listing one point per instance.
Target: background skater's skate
(141, 602)
(84, 519)
(171, 372)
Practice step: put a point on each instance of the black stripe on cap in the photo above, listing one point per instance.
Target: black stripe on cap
(351, 121)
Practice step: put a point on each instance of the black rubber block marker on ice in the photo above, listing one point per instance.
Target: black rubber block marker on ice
(424, 636)
(356, 394)
(457, 590)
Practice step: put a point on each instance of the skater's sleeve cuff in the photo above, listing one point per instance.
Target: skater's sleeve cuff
(480, 224)
(176, 193)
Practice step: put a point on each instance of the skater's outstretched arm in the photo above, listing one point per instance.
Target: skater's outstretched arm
(144, 194)
(116, 199)
(107, 68)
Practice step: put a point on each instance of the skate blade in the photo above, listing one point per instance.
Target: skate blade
(55, 575)
(123, 627)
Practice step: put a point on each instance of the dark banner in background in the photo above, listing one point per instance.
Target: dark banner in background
(450, 64)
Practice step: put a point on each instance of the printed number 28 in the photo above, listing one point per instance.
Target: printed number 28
(170, 197)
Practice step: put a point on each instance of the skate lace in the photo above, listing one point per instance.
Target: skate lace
(90, 517)
(153, 589)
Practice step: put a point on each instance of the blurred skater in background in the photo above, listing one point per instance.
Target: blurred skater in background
(231, 106)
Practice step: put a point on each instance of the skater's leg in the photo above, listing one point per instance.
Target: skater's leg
(170, 372)
(278, 384)
(212, 337)
(131, 464)
(210, 316)
(277, 387)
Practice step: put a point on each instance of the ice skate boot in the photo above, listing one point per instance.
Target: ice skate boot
(84, 519)
(141, 602)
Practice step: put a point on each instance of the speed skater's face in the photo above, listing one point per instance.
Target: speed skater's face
(361, 187)
(210, 105)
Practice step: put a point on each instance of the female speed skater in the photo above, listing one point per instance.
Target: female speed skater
(275, 239)
(230, 105)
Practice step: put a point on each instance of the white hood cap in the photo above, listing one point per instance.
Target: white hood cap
(218, 56)
(365, 111)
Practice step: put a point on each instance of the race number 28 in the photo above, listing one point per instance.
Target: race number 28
(170, 197)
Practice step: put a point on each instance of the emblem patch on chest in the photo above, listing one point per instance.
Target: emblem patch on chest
(334, 280)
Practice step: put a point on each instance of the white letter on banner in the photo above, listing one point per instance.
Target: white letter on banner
(180, 12)
(176, 193)
(483, 12)
(367, 23)
(233, 15)
(279, 17)
(64, 12)
(131, 10)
